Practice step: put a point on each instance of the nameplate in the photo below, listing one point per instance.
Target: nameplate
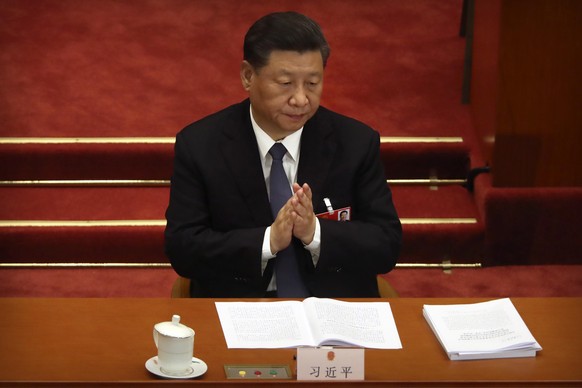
(330, 364)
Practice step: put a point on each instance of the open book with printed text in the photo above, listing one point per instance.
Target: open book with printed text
(492, 329)
(311, 322)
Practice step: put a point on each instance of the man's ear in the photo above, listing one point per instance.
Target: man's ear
(247, 73)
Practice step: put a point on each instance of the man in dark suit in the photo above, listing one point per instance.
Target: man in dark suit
(221, 231)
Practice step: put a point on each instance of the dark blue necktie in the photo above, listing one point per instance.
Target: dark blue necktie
(289, 284)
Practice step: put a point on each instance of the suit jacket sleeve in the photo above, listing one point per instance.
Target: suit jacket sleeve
(218, 209)
(341, 161)
(371, 241)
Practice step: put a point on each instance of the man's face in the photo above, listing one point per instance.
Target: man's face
(286, 92)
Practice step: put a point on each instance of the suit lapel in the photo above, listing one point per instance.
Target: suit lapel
(317, 153)
(239, 149)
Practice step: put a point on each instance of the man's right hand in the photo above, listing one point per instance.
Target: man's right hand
(282, 229)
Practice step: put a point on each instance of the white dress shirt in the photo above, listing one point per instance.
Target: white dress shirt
(290, 163)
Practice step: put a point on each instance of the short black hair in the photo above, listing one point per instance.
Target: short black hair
(286, 31)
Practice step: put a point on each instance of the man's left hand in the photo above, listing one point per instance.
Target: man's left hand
(303, 215)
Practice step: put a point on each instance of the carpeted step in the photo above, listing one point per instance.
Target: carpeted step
(450, 201)
(422, 158)
(82, 242)
(445, 241)
(440, 224)
(82, 159)
(150, 202)
(84, 202)
(152, 158)
(523, 226)
(125, 224)
(142, 242)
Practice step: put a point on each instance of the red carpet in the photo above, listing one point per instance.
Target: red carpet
(148, 68)
(503, 281)
(510, 281)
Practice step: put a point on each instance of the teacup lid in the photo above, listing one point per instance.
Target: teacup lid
(174, 328)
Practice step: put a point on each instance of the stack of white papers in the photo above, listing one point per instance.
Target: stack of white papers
(491, 329)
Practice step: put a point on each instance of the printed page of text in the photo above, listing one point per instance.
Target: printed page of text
(264, 324)
(364, 324)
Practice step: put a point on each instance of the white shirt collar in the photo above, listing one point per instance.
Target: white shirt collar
(264, 141)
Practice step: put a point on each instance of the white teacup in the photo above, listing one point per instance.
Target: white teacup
(175, 343)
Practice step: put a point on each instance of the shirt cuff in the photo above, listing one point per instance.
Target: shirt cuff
(315, 245)
(266, 254)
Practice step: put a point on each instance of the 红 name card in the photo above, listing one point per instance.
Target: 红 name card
(331, 364)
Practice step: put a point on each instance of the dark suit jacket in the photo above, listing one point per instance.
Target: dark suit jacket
(219, 207)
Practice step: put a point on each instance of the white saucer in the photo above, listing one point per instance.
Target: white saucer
(199, 367)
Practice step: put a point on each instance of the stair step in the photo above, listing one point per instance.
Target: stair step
(149, 203)
(432, 243)
(75, 159)
(443, 160)
(83, 203)
(435, 243)
(125, 224)
(439, 202)
(82, 244)
(85, 161)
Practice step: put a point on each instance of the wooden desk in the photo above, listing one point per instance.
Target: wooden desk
(107, 341)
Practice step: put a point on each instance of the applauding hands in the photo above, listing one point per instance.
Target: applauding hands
(295, 219)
